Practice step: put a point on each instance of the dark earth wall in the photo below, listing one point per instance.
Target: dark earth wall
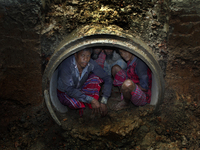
(31, 29)
(20, 57)
(185, 31)
(184, 48)
(146, 19)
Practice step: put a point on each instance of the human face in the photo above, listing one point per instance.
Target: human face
(109, 54)
(108, 51)
(97, 50)
(96, 53)
(82, 58)
(126, 55)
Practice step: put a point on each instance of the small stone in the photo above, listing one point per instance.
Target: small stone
(183, 62)
(184, 141)
(158, 130)
(22, 120)
(65, 119)
(75, 1)
(144, 129)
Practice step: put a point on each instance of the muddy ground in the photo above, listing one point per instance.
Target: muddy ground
(175, 126)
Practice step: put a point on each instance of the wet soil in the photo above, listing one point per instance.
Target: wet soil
(175, 126)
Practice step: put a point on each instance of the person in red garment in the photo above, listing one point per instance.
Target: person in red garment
(134, 82)
(79, 79)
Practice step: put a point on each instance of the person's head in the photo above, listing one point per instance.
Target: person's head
(109, 53)
(96, 52)
(83, 57)
(126, 55)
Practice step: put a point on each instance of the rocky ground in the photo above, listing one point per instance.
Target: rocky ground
(174, 127)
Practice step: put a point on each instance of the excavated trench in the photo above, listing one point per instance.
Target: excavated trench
(109, 126)
(171, 30)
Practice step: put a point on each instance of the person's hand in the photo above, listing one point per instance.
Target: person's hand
(103, 109)
(95, 106)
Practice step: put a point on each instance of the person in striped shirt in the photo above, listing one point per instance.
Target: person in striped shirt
(134, 82)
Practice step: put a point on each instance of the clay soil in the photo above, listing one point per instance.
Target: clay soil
(175, 126)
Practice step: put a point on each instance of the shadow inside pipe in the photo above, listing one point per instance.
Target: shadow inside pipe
(64, 113)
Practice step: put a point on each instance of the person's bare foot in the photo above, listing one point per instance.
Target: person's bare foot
(121, 105)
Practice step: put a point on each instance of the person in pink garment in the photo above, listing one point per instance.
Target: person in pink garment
(134, 82)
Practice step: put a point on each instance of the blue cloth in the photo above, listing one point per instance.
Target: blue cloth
(141, 71)
(71, 83)
(120, 62)
(116, 60)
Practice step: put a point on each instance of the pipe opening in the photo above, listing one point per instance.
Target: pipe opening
(72, 45)
(63, 109)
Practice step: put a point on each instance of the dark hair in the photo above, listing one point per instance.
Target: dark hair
(100, 47)
(87, 49)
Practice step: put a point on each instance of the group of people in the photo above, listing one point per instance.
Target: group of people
(81, 76)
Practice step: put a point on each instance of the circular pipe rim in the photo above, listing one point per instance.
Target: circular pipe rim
(70, 47)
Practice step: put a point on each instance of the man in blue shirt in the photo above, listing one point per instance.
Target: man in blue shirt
(78, 83)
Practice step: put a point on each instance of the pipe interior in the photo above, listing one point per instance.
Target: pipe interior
(63, 109)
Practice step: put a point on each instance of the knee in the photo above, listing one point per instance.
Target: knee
(115, 69)
(128, 85)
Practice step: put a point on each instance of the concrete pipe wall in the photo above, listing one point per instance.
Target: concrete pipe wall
(97, 35)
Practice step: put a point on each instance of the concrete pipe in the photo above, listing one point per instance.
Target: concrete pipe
(90, 36)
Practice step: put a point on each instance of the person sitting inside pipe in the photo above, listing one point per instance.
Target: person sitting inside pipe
(134, 82)
(107, 58)
(79, 79)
